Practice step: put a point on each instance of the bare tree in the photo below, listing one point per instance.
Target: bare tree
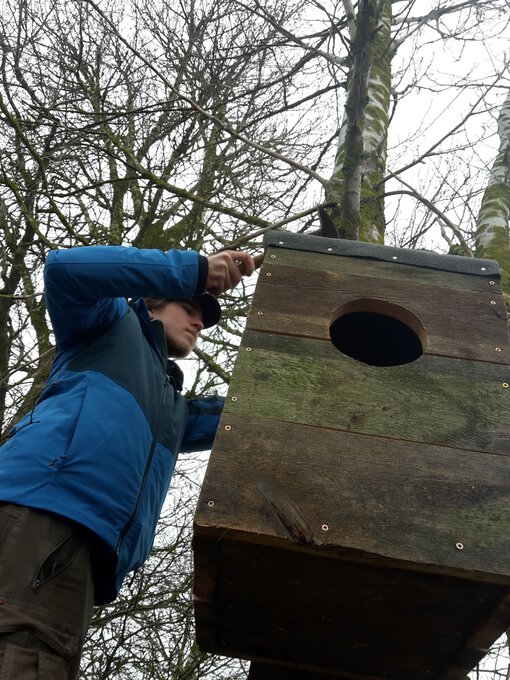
(201, 124)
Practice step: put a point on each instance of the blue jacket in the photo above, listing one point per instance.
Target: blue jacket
(100, 445)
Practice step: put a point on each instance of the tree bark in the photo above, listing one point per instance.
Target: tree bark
(357, 179)
(492, 228)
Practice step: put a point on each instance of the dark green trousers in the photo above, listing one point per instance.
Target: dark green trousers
(46, 595)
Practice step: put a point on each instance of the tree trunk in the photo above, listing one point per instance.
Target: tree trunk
(492, 232)
(357, 180)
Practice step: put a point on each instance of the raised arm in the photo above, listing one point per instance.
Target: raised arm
(86, 287)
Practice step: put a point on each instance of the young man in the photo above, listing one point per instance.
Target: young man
(83, 476)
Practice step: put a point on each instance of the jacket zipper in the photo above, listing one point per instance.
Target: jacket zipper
(146, 471)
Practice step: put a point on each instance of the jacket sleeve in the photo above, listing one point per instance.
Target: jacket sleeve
(203, 418)
(86, 287)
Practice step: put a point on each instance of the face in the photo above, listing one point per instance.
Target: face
(182, 321)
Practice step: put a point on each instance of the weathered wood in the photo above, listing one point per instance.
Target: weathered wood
(380, 500)
(264, 671)
(312, 263)
(355, 620)
(465, 324)
(435, 400)
(354, 519)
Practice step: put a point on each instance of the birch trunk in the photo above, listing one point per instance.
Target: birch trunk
(492, 228)
(357, 180)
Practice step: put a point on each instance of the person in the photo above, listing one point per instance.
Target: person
(83, 476)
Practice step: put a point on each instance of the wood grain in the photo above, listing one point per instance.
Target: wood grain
(458, 323)
(359, 266)
(379, 499)
(434, 400)
(340, 617)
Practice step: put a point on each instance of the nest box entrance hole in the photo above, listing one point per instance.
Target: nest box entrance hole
(378, 333)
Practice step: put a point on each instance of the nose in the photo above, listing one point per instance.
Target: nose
(197, 321)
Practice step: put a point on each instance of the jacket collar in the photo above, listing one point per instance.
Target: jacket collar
(155, 336)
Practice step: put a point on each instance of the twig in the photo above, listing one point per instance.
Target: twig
(221, 123)
(412, 192)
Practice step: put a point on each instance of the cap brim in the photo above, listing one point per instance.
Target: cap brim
(210, 308)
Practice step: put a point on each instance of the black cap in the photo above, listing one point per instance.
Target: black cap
(210, 308)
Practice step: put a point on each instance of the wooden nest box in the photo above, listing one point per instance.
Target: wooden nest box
(354, 520)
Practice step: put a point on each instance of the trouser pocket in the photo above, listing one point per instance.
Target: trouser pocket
(57, 561)
(46, 581)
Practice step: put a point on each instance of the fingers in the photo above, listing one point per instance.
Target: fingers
(245, 262)
(226, 270)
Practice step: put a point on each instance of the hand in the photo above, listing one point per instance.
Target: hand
(226, 270)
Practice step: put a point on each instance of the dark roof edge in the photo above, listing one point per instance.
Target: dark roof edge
(416, 258)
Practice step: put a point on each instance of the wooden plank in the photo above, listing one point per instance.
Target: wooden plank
(458, 323)
(204, 588)
(479, 641)
(355, 620)
(422, 507)
(265, 671)
(357, 266)
(434, 400)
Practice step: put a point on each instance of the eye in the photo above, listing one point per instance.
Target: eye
(189, 309)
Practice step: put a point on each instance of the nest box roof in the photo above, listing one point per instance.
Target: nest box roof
(417, 258)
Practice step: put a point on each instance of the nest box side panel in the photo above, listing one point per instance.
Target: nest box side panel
(371, 499)
(463, 315)
(435, 400)
(348, 619)
(326, 469)
(262, 671)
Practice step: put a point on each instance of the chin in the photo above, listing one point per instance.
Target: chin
(178, 351)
